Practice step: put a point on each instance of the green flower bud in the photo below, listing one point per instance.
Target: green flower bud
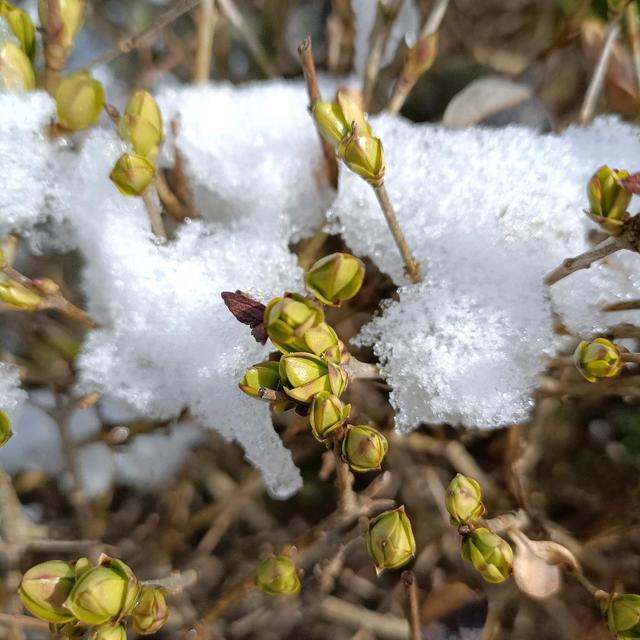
(5, 428)
(105, 593)
(350, 103)
(364, 156)
(141, 125)
(151, 611)
(72, 16)
(278, 576)
(132, 174)
(608, 200)
(464, 500)
(79, 101)
(305, 375)
(264, 375)
(109, 632)
(45, 588)
(390, 540)
(330, 122)
(287, 319)
(81, 566)
(322, 340)
(20, 24)
(420, 57)
(364, 448)
(623, 615)
(19, 297)
(491, 556)
(16, 72)
(335, 278)
(599, 358)
(327, 413)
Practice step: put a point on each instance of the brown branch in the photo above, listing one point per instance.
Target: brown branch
(633, 29)
(344, 480)
(626, 305)
(206, 21)
(309, 69)
(153, 211)
(413, 608)
(631, 358)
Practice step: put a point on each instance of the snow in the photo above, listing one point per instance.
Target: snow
(12, 397)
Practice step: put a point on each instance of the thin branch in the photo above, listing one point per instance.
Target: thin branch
(412, 267)
(357, 369)
(153, 211)
(309, 69)
(413, 608)
(597, 80)
(585, 260)
(633, 29)
(206, 21)
(234, 16)
(386, 13)
(344, 480)
(626, 305)
(632, 358)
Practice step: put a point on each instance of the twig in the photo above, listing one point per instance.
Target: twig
(413, 609)
(55, 55)
(177, 581)
(584, 582)
(597, 80)
(25, 622)
(386, 14)
(585, 260)
(228, 599)
(234, 16)
(153, 211)
(309, 69)
(412, 267)
(180, 180)
(512, 520)
(633, 28)
(206, 20)
(344, 479)
(340, 36)
(357, 369)
(626, 305)
(127, 45)
(630, 357)
(407, 80)
(168, 198)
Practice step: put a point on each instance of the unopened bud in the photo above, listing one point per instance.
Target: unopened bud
(322, 340)
(608, 199)
(327, 413)
(491, 556)
(132, 174)
(364, 448)
(305, 375)
(109, 632)
(45, 588)
(16, 72)
(5, 428)
(623, 615)
(464, 500)
(71, 15)
(599, 358)
(79, 101)
(264, 375)
(390, 540)
(288, 318)
(335, 278)
(278, 576)
(420, 57)
(19, 297)
(364, 156)
(141, 125)
(330, 122)
(21, 26)
(105, 593)
(151, 611)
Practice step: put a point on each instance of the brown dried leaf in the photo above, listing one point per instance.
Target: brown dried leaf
(248, 311)
(632, 183)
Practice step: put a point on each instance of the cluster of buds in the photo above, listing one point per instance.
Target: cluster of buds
(278, 576)
(490, 555)
(622, 611)
(599, 358)
(609, 199)
(17, 50)
(343, 124)
(141, 127)
(96, 599)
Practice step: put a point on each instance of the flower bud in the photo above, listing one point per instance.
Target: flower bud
(608, 199)
(464, 500)
(599, 358)
(132, 174)
(420, 57)
(623, 615)
(327, 413)
(390, 540)
(364, 448)
(491, 556)
(141, 125)
(81, 566)
(104, 593)
(79, 101)
(19, 297)
(21, 26)
(305, 375)
(16, 72)
(335, 278)
(322, 340)
(278, 576)
(5, 428)
(151, 611)
(72, 17)
(351, 103)
(287, 319)
(45, 588)
(264, 375)
(364, 156)
(109, 632)
(330, 122)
